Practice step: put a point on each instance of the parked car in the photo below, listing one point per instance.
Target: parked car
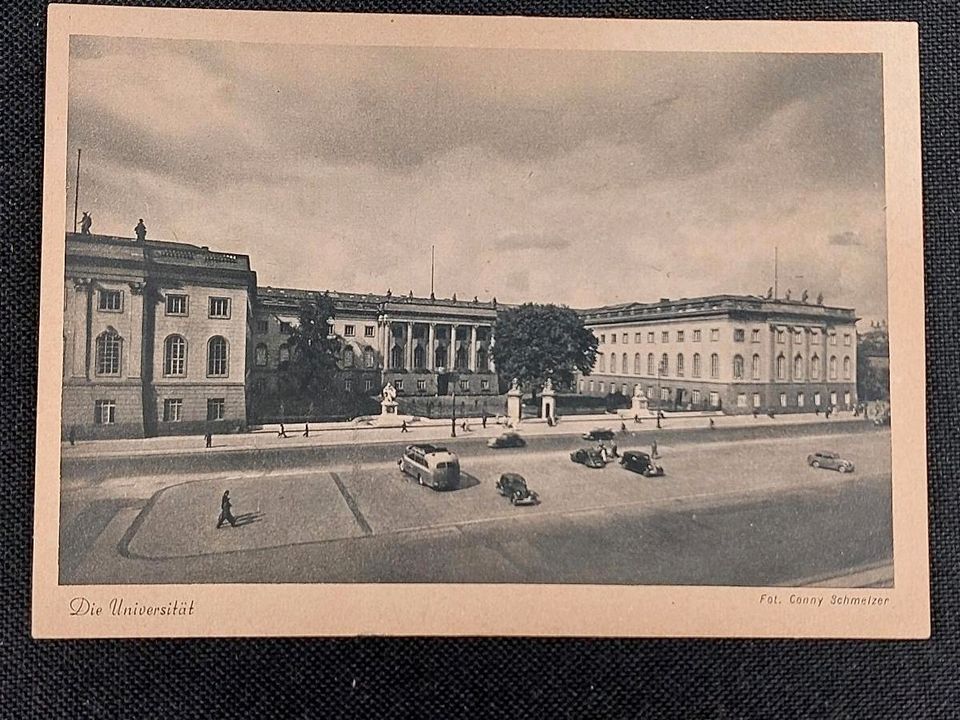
(599, 434)
(829, 461)
(641, 462)
(514, 486)
(591, 457)
(507, 440)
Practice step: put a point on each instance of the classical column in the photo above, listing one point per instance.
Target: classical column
(409, 347)
(491, 366)
(431, 338)
(452, 350)
(472, 360)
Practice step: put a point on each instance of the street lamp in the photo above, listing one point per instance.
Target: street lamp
(453, 409)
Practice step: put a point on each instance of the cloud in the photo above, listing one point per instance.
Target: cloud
(583, 178)
(846, 238)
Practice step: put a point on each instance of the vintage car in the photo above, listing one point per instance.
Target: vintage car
(829, 461)
(513, 486)
(599, 434)
(591, 457)
(641, 462)
(507, 440)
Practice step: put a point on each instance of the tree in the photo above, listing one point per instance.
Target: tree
(536, 342)
(873, 374)
(314, 352)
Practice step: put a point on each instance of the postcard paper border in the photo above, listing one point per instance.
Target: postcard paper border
(464, 609)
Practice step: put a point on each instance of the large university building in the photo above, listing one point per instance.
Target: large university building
(731, 352)
(163, 338)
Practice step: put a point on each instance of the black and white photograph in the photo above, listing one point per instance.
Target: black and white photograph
(428, 314)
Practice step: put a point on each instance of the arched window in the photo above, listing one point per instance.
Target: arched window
(613, 362)
(664, 364)
(482, 362)
(369, 358)
(679, 364)
(650, 369)
(637, 366)
(846, 368)
(284, 354)
(396, 357)
(714, 366)
(624, 367)
(260, 355)
(603, 362)
(109, 350)
(781, 367)
(798, 367)
(175, 356)
(218, 360)
(696, 365)
(348, 356)
(738, 367)
(833, 367)
(815, 367)
(419, 357)
(460, 359)
(440, 356)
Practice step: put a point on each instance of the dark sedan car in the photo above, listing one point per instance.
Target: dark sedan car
(514, 486)
(829, 461)
(591, 457)
(640, 462)
(507, 440)
(599, 434)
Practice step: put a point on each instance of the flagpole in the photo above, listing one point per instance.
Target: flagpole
(776, 272)
(432, 249)
(76, 195)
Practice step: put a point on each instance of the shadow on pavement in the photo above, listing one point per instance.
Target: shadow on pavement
(248, 518)
(466, 481)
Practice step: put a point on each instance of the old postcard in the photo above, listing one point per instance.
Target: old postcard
(371, 324)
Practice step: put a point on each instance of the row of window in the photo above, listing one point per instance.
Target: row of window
(663, 367)
(739, 335)
(464, 384)
(109, 355)
(105, 411)
(174, 304)
(696, 396)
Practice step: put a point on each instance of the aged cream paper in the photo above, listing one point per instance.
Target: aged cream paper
(654, 176)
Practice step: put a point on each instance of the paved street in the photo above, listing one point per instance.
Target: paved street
(738, 506)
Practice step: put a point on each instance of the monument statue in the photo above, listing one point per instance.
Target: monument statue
(141, 231)
(515, 384)
(548, 385)
(389, 393)
(85, 222)
(638, 392)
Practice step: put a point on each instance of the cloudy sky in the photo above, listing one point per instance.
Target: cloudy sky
(577, 177)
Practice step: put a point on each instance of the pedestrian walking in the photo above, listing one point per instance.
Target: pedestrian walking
(623, 428)
(403, 427)
(637, 420)
(613, 450)
(208, 439)
(225, 514)
(713, 425)
(72, 437)
(755, 414)
(653, 450)
(483, 421)
(306, 429)
(283, 431)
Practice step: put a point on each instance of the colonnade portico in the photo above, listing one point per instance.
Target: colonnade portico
(432, 337)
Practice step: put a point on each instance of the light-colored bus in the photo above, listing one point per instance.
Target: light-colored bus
(431, 465)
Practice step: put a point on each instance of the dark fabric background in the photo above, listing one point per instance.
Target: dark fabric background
(451, 678)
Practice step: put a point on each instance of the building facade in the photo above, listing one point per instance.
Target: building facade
(154, 338)
(422, 346)
(165, 338)
(734, 353)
